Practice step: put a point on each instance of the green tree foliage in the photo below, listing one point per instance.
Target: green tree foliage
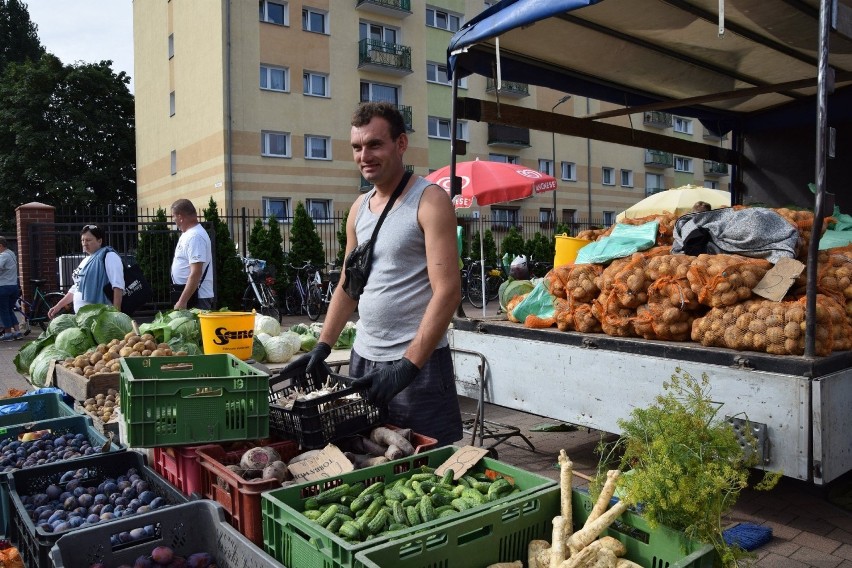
(18, 34)
(540, 249)
(157, 242)
(341, 239)
(513, 243)
(229, 277)
(265, 243)
(305, 243)
(66, 137)
(489, 247)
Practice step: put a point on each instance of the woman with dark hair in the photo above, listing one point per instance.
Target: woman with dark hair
(9, 292)
(100, 267)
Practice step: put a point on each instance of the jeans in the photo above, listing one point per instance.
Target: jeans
(8, 295)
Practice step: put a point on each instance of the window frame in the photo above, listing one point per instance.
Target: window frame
(311, 74)
(545, 166)
(173, 162)
(686, 128)
(714, 184)
(503, 218)
(608, 218)
(172, 104)
(269, 69)
(686, 164)
(370, 98)
(264, 13)
(607, 170)
(438, 121)
(307, 11)
(309, 203)
(437, 68)
(433, 23)
(572, 166)
(462, 130)
(507, 158)
(326, 139)
(629, 174)
(171, 46)
(264, 137)
(288, 210)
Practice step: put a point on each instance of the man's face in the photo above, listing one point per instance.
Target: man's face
(178, 220)
(378, 156)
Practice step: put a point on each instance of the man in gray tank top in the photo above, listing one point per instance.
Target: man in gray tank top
(401, 352)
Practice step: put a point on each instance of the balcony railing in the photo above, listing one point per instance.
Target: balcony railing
(658, 119)
(500, 135)
(392, 8)
(658, 159)
(508, 88)
(383, 56)
(712, 168)
(652, 190)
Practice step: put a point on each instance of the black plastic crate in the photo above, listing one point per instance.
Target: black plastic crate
(35, 543)
(315, 423)
(198, 526)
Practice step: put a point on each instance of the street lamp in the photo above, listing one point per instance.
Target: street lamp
(553, 139)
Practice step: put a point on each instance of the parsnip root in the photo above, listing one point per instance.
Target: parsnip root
(566, 475)
(585, 536)
(557, 546)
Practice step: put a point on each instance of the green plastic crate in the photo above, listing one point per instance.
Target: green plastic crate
(502, 535)
(34, 407)
(293, 540)
(167, 401)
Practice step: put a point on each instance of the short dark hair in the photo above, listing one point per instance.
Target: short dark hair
(96, 231)
(184, 207)
(699, 206)
(369, 110)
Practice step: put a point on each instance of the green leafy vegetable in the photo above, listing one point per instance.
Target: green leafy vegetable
(87, 315)
(75, 341)
(61, 322)
(111, 324)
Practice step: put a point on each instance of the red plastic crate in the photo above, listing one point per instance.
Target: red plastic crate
(239, 497)
(179, 466)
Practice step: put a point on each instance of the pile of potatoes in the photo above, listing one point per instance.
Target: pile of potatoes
(725, 279)
(104, 406)
(104, 358)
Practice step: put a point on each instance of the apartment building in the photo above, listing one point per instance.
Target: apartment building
(249, 103)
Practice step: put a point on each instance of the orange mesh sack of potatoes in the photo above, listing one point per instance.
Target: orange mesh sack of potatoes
(581, 282)
(617, 322)
(556, 278)
(576, 316)
(777, 328)
(725, 279)
(804, 222)
(594, 234)
(665, 229)
(672, 306)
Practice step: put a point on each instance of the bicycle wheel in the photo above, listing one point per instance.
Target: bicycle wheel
(492, 287)
(292, 301)
(269, 306)
(474, 290)
(40, 310)
(314, 303)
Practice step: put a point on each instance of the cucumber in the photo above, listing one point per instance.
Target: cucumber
(413, 516)
(426, 510)
(350, 530)
(377, 523)
(448, 477)
(333, 495)
(327, 516)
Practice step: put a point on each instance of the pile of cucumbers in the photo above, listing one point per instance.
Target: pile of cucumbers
(358, 513)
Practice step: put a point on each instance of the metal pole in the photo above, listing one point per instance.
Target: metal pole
(553, 141)
(589, 165)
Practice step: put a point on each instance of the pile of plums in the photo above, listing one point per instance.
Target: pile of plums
(165, 556)
(72, 504)
(39, 448)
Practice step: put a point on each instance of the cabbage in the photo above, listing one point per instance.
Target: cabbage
(266, 324)
(111, 324)
(262, 337)
(174, 314)
(258, 353)
(299, 328)
(61, 322)
(309, 341)
(346, 338)
(279, 349)
(27, 354)
(75, 341)
(187, 327)
(294, 341)
(178, 344)
(41, 364)
(87, 315)
(511, 288)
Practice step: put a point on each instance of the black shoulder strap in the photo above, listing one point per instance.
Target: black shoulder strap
(396, 193)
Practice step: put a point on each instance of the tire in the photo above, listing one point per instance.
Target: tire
(474, 290)
(271, 308)
(492, 287)
(249, 301)
(50, 300)
(314, 303)
(292, 302)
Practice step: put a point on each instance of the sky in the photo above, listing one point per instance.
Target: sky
(86, 30)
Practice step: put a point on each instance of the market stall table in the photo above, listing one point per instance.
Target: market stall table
(337, 359)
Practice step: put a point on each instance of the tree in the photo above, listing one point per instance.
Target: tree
(305, 243)
(489, 247)
(228, 271)
(513, 243)
(540, 249)
(18, 38)
(156, 242)
(265, 243)
(66, 137)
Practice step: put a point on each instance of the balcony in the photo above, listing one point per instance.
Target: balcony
(649, 191)
(392, 8)
(657, 119)
(392, 58)
(510, 136)
(367, 186)
(712, 168)
(511, 89)
(657, 159)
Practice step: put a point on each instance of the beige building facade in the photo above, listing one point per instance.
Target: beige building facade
(249, 103)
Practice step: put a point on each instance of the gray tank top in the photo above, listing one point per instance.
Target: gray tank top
(394, 300)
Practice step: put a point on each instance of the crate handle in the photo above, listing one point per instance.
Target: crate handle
(177, 366)
(201, 393)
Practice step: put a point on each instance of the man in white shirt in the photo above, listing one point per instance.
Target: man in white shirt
(192, 269)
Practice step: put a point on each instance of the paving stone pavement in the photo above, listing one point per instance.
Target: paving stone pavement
(808, 531)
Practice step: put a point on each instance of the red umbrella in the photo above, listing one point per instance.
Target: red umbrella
(493, 182)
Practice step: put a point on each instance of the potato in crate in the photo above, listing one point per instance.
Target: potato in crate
(197, 528)
(315, 410)
(201, 399)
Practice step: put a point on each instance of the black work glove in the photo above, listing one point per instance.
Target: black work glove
(387, 382)
(313, 361)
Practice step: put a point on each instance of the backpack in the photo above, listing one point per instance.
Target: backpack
(137, 290)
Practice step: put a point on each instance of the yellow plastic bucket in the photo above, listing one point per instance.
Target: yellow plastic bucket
(227, 332)
(567, 249)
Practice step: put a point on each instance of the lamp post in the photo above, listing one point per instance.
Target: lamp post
(553, 140)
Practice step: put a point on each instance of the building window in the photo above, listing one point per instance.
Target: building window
(173, 160)
(314, 21)
(608, 218)
(278, 207)
(503, 158)
(711, 184)
(503, 218)
(682, 125)
(439, 127)
(171, 45)
(276, 144)
(545, 166)
(437, 73)
(683, 164)
(545, 217)
(319, 210)
(315, 84)
(569, 216)
(626, 178)
(274, 13)
(376, 92)
(317, 147)
(653, 182)
(443, 20)
(608, 176)
(462, 132)
(377, 32)
(569, 171)
(172, 103)
(274, 78)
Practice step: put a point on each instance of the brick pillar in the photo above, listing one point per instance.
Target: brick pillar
(36, 247)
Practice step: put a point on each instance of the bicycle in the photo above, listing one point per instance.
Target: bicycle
(329, 285)
(259, 295)
(34, 312)
(305, 293)
(493, 278)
